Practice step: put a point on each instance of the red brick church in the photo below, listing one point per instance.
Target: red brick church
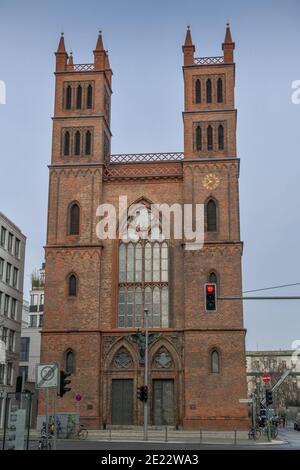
(96, 290)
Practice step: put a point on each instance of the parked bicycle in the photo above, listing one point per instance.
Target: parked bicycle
(45, 440)
(76, 430)
(254, 433)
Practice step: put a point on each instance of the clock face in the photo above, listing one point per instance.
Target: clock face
(211, 181)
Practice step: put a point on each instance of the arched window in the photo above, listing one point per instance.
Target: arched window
(209, 138)
(70, 362)
(208, 91)
(212, 278)
(79, 97)
(74, 219)
(215, 362)
(72, 285)
(77, 143)
(68, 97)
(143, 283)
(198, 138)
(211, 216)
(89, 97)
(220, 90)
(221, 137)
(67, 143)
(88, 142)
(198, 91)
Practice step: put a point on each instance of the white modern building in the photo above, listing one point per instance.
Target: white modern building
(12, 258)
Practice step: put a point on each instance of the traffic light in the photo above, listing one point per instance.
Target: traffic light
(210, 292)
(64, 382)
(269, 397)
(142, 393)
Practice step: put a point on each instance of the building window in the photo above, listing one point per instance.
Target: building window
(11, 341)
(221, 137)
(72, 285)
(88, 143)
(4, 334)
(10, 242)
(77, 143)
(9, 374)
(23, 370)
(1, 297)
(215, 362)
(143, 283)
(13, 309)
(2, 372)
(3, 237)
(220, 90)
(198, 91)
(211, 216)
(79, 97)
(209, 138)
(67, 144)
(208, 91)
(198, 138)
(74, 219)
(68, 97)
(24, 349)
(70, 362)
(40, 321)
(15, 277)
(89, 97)
(6, 305)
(33, 321)
(1, 267)
(17, 248)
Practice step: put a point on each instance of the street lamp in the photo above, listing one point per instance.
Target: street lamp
(146, 374)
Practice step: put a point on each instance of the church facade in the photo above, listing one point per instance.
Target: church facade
(96, 290)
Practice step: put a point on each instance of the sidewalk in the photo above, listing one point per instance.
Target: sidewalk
(173, 436)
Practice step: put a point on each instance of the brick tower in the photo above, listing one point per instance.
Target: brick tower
(96, 290)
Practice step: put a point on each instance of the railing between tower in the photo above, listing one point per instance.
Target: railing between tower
(208, 60)
(146, 157)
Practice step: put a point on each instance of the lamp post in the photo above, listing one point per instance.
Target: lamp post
(146, 374)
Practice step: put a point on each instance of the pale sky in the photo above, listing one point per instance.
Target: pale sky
(144, 39)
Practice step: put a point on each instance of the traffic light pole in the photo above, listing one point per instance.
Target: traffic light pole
(146, 374)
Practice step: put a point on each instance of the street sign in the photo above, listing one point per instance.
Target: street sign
(78, 397)
(245, 400)
(266, 378)
(46, 375)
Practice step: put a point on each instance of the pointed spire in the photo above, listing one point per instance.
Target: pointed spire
(61, 46)
(61, 55)
(70, 61)
(188, 37)
(99, 45)
(99, 54)
(108, 71)
(228, 38)
(188, 48)
(228, 46)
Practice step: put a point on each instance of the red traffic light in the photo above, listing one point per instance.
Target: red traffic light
(210, 288)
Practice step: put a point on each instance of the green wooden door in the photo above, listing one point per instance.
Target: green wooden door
(122, 401)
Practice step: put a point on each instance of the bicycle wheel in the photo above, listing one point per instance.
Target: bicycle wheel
(83, 434)
(274, 433)
(257, 434)
(251, 434)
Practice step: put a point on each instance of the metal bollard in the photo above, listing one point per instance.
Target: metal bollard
(166, 434)
(200, 436)
(110, 434)
(235, 437)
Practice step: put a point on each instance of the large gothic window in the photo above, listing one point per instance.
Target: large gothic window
(211, 216)
(198, 91)
(72, 286)
(143, 283)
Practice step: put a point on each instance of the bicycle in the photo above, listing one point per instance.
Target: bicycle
(44, 443)
(254, 433)
(77, 430)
